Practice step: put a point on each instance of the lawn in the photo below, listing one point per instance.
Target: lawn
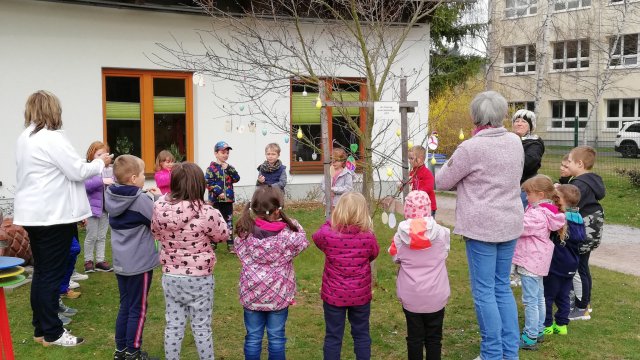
(611, 334)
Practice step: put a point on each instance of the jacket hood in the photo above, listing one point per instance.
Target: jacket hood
(174, 216)
(120, 197)
(594, 181)
(416, 233)
(555, 218)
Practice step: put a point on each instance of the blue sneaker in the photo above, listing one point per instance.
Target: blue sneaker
(527, 343)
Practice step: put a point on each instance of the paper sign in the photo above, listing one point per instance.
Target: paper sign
(386, 110)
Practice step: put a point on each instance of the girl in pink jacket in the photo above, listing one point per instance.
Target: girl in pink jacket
(186, 228)
(350, 246)
(266, 245)
(534, 250)
(164, 164)
(421, 246)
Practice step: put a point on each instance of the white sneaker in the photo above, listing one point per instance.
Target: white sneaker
(73, 285)
(65, 340)
(76, 276)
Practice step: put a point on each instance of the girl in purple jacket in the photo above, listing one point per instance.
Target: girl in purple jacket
(98, 223)
(349, 246)
(266, 245)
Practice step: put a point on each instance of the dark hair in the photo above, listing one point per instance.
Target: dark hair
(187, 184)
(266, 200)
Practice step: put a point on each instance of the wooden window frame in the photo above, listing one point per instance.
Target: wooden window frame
(316, 167)
(146, 110)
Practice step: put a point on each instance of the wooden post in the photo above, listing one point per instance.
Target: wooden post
(326, 158)
(404, 136)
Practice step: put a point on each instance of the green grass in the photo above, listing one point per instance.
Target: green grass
(611, 334)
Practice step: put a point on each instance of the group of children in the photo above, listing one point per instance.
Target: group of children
(562, 225)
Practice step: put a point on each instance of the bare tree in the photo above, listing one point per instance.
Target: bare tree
(263, 47)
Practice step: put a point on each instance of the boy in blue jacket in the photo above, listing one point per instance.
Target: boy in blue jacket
(564, 263)
(134, 252)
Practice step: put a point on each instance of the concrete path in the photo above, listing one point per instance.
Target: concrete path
(619, 250)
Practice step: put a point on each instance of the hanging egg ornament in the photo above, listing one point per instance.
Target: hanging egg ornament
(318, 103)
(314, 156)
(264, 131)
(286, 139)
(433, 160)
(392, 220)
(409, 144)
(389, 172)
(241, 107)
(461, 135)
(384, 217)
(299, 135)
(398, 132)
(354, 147)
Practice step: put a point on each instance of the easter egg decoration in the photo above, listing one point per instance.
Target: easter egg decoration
(392, 220)
(353, 147)
(398, 132)
(264, 131)
(461, 135)
(286, 139)
(384, 217)
(300, 135)
(389, 172)
(409, 144)
(318, 103)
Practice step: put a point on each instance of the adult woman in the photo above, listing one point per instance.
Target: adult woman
(485, 170)
(50, 199)
(524, 124)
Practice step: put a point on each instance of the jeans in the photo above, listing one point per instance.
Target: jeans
(255, 323)
(424, 331)
(334, 318)
(489, 268)
(523, 197)
(534, 309)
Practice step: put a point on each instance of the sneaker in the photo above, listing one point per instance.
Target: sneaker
(103, 266)
(589, 308)
(65, 340)
(65, 320)
(88, 267)
(527, 343)
(138, 355)
(76, 276)
(540, 337)
(40, 339)
(119, 355)
(579, 314)
(70, 294)
(560, 329)
(73, 284)
(65, 310)
(549, 330)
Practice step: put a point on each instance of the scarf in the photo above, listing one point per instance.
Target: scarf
(480, 128)
(275, 226)
(265, 167)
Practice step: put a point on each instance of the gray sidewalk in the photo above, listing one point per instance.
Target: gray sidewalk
(619, 251)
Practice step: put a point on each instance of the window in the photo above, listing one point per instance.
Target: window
(620, 111)
(519, 59)
(517, 105)
(624, 52)
(148, 111)
(564, 113)
(569, 55)
(305, 156)
(562, 5)
(519, 8)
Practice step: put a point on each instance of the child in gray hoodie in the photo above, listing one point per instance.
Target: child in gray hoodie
(134, 252)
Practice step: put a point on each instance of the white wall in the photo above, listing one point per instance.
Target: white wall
(63, 48)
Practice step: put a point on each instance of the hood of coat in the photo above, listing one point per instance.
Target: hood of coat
(120, 197)
(555, 218)
(594, 181)
(417, 233)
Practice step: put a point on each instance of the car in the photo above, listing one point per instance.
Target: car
(628, 139)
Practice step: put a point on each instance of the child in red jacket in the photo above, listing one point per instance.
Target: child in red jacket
(420, 176)
(349, 246)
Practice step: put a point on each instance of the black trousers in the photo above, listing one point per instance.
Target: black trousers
(424, 331)
(556, 290)
(226, 210)
(585, 278)
(50, 246)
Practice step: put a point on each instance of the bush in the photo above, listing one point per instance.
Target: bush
(632, 174)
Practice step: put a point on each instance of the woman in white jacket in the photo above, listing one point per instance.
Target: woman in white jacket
(50, 199)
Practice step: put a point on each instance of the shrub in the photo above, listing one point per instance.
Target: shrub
(632, 174)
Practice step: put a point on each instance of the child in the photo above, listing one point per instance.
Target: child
(134, 252)
(341, 177)
(186, 228)
(421, 247)
(164, 163)
(349, 246)
(98, 223)
(266, 245)
(580, 162)
(565, 177)
(564, 263)
(421, 177)
(271, 171)
(220, 177)
(533, 252)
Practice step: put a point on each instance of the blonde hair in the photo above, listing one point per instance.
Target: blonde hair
(93, 149)
(125, 167)
(162, 156)
(43, 110)
(544, 184)
(338, 154)
(419, 151)
(272, 146)
(584, 153)
(570, 194)
(351, 209)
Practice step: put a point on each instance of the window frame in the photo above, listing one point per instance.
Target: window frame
(147, 138)
(517, 7)
(317, 166)
(565, 119)
(514, 65)
(621, 119)
(620, 56)
(565, 59)
(566, 9)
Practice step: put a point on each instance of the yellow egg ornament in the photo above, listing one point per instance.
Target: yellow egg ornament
(299, 135)
(398, 132)
(318, 103)
(389, 172)
(409, 144)
(461, 135)
(433, 160)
